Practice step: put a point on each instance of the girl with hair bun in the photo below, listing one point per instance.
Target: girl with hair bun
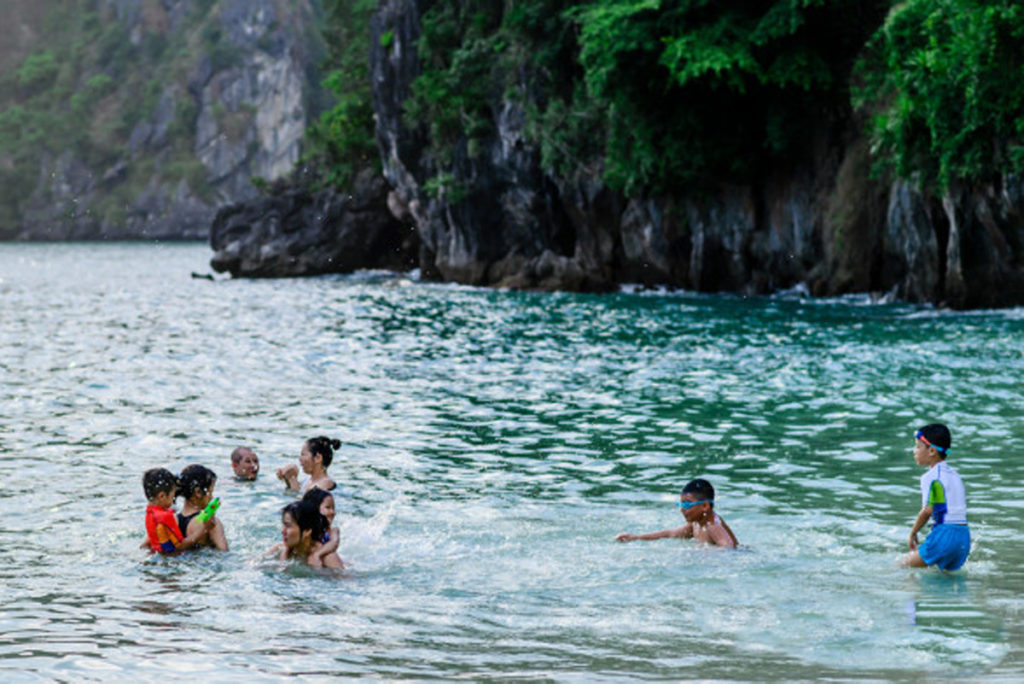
(195, 486)
(315, 457)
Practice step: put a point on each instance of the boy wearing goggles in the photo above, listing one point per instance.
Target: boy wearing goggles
(696, 503)
(943, 500)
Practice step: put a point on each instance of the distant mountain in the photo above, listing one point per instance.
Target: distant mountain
(139, 118)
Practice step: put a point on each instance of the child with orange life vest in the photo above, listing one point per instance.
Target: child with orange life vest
(162, 531)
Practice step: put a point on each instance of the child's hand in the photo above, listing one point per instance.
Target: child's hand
(912, 542)
(625, 537)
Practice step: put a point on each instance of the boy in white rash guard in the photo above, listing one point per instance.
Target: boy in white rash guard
(943, 500)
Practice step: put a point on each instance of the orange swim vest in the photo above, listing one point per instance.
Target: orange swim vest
(162, 529)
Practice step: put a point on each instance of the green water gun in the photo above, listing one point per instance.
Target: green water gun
(210, 510)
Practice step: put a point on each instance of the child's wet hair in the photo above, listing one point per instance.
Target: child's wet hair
(700, 488)
(325, 446)
(158, 480)
(195, 479)
(938, 435)
(316, 496)
(307, 516)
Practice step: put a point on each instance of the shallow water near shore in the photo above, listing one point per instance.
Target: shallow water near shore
(494, 444)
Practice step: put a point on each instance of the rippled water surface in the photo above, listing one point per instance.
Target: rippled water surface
(494, 444)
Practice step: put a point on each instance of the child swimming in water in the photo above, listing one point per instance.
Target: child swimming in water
(195, 486)
(162, 530)
(696, 503)
(324, 501)
(943, 500)
(315, 457)
(302, 526)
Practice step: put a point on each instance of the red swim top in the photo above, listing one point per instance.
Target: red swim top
(162, 529)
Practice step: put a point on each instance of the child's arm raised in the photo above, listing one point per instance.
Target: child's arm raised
(684, 532)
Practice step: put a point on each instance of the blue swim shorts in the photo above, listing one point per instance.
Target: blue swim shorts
(946, 546)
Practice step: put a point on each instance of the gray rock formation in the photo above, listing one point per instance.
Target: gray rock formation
(296, 233)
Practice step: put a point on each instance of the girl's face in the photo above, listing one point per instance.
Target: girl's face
(306, 459)
(165, 499)
(201, 499)
(327, 509)
(291, 535)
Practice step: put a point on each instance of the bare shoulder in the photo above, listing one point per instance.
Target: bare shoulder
(722, 535)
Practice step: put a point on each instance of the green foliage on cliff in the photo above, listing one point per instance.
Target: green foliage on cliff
(668, 94)
(461, 48)
(38, 70)
(342, 143)
(665, 94)
(946, 80)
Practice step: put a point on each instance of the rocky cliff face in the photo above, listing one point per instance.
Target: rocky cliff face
(293, 232)
(821, 223)
(236, 88)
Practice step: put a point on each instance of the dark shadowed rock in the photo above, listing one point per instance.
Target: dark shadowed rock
(297, 233)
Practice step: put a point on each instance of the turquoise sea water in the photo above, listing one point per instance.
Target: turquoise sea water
(494, 444)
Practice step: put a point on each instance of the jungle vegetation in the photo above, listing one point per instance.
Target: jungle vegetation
(670, 94)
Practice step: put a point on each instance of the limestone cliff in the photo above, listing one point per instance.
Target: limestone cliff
(820, 222)
(192, 99)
